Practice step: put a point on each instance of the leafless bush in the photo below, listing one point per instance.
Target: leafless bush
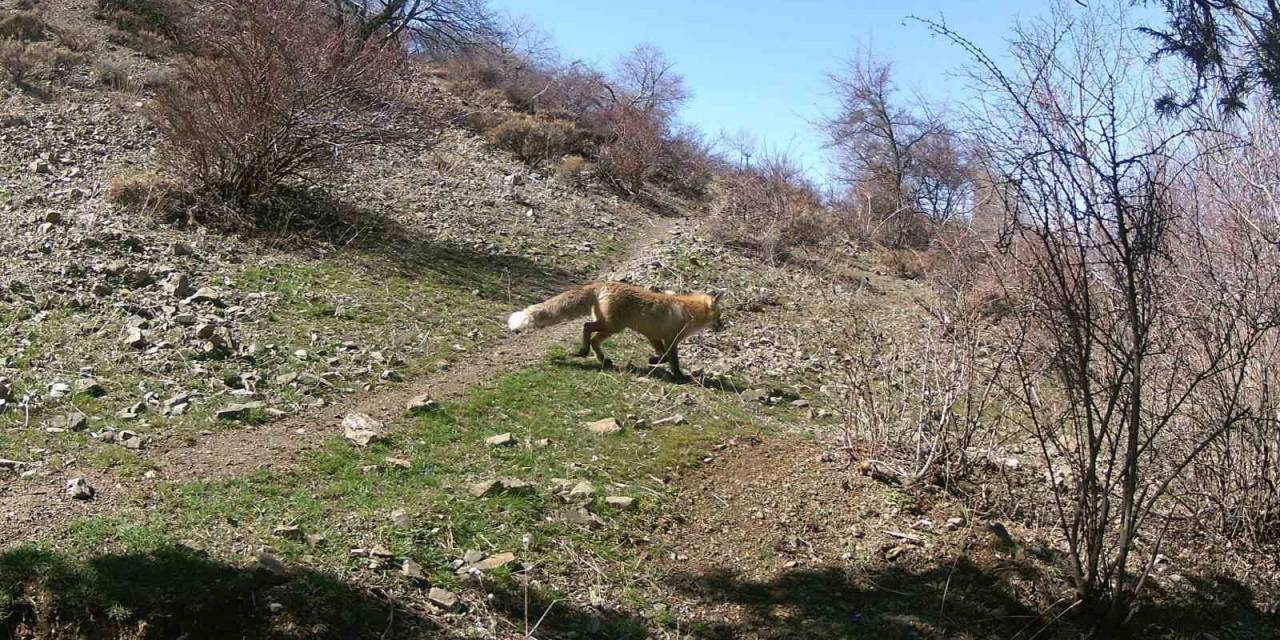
(77, 40)
(437, 27)
(770, 208)
(148, 193)
(902, 165)
(16, 61)
(1235, 483)
(919, 402)
(112, 76)
(23, 26)
(535, 140)
(1129, 359)
(284, 94)
(163, 18)
(570, 168)
(631, 158)
(27, 63)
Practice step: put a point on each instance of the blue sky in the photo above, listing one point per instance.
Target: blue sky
(760, 65)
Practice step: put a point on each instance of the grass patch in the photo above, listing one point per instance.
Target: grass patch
(347, 495)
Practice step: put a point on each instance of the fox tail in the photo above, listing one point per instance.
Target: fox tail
(574, 303)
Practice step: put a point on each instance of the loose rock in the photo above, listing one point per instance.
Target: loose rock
(79, 489)
(501, 440)
(605, 426)
(361, 429)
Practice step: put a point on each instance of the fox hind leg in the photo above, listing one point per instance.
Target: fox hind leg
(600, 336)
(588, 328)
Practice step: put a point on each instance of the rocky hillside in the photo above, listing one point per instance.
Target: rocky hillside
(323, 429)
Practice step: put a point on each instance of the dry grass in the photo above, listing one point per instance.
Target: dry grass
(535, 140)
(23, 26)
(113, 76)
(147, 192)
(570, 168)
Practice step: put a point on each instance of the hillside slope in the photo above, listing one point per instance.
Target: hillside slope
(197, 380)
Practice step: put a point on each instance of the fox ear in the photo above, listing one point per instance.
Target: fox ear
(716, 295)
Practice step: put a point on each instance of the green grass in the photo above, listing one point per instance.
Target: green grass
(347, 494)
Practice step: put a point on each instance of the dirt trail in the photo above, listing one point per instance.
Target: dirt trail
(28, 509)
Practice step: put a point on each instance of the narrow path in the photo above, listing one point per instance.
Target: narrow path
(29, 509)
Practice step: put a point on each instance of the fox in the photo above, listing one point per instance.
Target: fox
(664, 319)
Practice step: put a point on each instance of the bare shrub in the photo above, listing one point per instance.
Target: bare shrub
(27, 63)
(902, 165)
(166, 17)
(1129, 361)
(1235, 483)
(149, 43)
(16, 61)
(769, 208)
(23, 26)
(437, 27)
(113, 76)
(687, 164)
(77, 40)
(535, 140)
(920, 400)
(632, 157)
(287, 93)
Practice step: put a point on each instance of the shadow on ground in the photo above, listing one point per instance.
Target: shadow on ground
(959, 601)
(312, 222)
(657, 372)
(175, 592)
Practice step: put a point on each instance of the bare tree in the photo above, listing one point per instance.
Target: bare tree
(1128, 365)
(644, 79)
(436, 27)
(902, 161)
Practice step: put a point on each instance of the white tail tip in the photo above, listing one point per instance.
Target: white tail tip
(518, 320)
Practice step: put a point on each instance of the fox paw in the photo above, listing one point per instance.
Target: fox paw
(606, 364)
(582, 353)
(655, 360)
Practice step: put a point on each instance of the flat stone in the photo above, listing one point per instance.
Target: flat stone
(499, 485)
(421, 404)
(583, 489)
(79, 489)
(206, 295)
(501, 440)
(90, 387)
(605, 426)
(239, 411)
(361, 429)
(412, 570)
(442, 598)
(401, 518)
(495, 561)
(622, 503)
(288, 532)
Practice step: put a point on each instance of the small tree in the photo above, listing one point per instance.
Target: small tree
(283, 92)
(1130, 361)
(436, 27)
(645, 80)
(902, 165)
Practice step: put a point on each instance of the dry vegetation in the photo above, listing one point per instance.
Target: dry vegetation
(1096, 283)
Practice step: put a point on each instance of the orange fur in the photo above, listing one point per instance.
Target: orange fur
(665, 319)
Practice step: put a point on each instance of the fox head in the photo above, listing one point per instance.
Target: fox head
(716, 320)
